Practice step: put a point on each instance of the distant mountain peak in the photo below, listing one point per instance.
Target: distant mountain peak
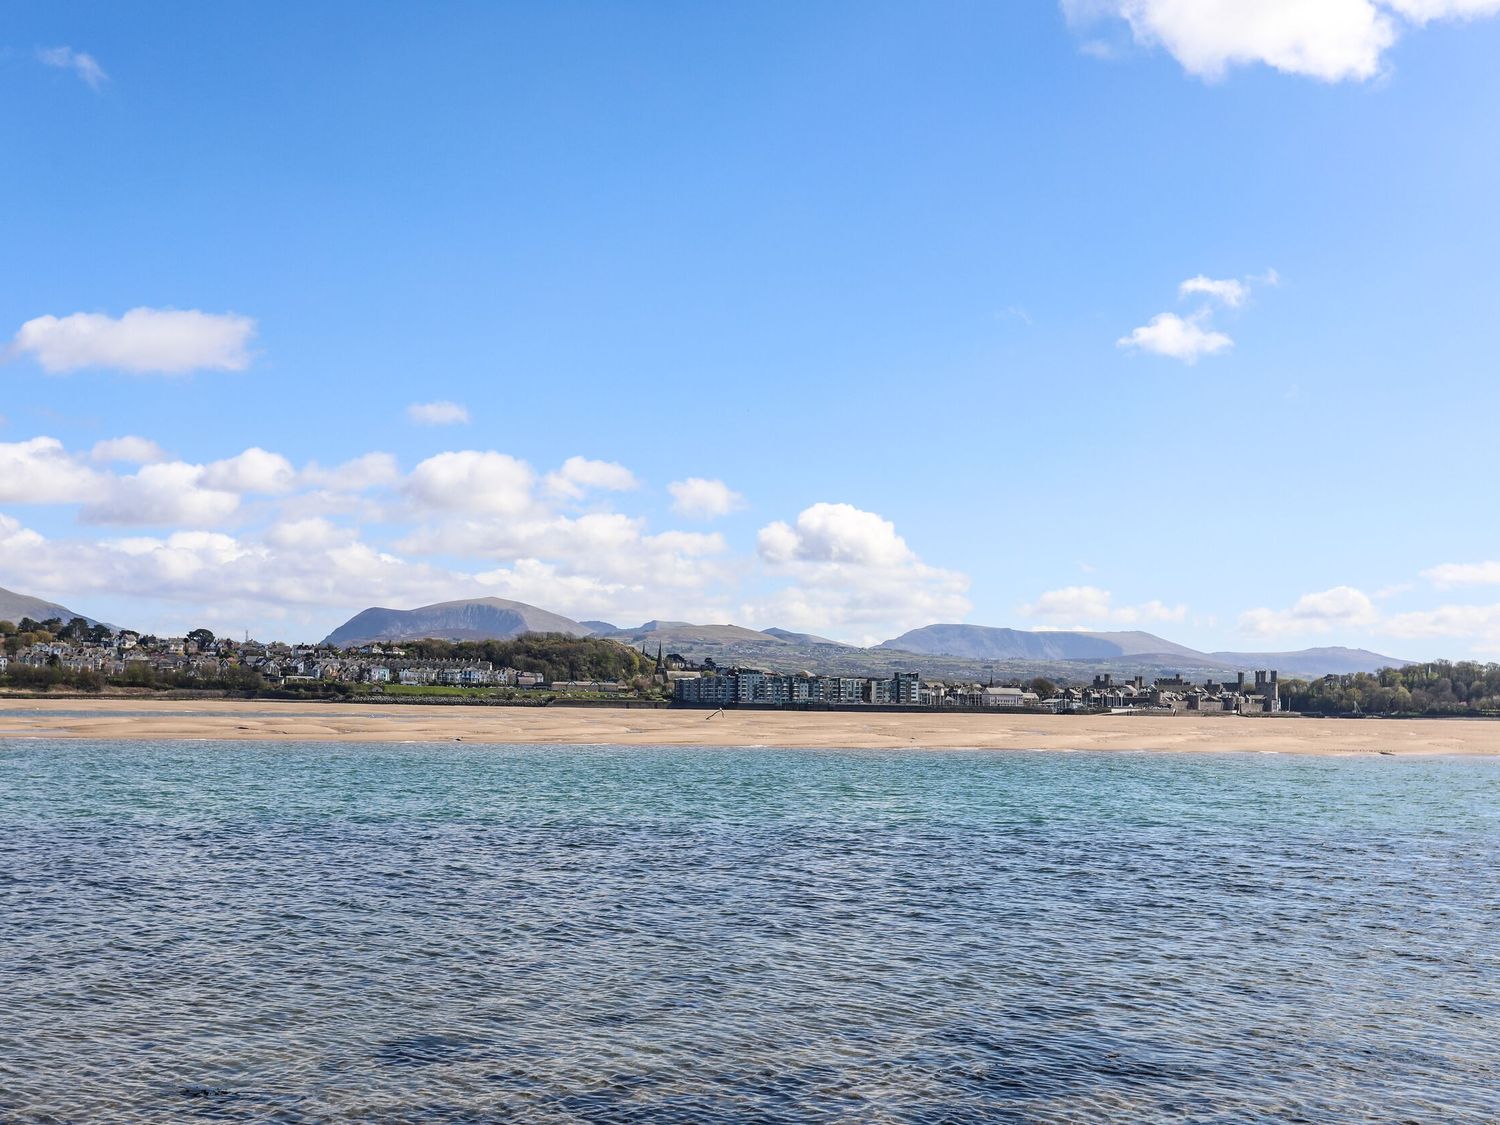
(465, 619)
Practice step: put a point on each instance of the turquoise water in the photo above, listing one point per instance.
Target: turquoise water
(302, 932)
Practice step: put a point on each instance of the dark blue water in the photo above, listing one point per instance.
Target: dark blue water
(237, 932)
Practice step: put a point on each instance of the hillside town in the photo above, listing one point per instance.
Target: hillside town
(81, 649)
(78, 647)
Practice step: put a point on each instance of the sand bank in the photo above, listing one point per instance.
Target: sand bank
(148, 720)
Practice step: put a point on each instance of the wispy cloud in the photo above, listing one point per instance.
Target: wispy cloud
(440, 413)
(79, 62)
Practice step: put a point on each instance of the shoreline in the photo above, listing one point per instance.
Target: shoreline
(146, 720)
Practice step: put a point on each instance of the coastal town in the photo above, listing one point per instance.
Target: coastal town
(89, 655)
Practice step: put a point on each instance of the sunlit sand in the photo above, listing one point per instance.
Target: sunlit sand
(147, 720)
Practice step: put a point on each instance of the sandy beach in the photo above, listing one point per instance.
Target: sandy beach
(148, 720)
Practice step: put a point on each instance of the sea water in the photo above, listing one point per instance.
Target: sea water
(305, 932)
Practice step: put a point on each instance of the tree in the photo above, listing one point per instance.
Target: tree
(202, 638)
(7, 628)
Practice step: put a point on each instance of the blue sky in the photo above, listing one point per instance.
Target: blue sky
(900, 287)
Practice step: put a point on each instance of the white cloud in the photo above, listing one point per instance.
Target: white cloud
(835, 533)
(41, 471)
(254, 470)
(473, 481)
(1228, 290)
(1341, 607)
(1464, 574)
(1190, 338)
(211, 575)
(369, 470)
(440, 413)
(160, 495)
(15, 538)
(1071, 603)
(79, 62)
(312, 532)
(169, 341)
(1176, 337)
(128, 450)
(579, 475)
(700, 498)
(1479, 624)
(1331, 40)
(850, 569)
(1090, 606)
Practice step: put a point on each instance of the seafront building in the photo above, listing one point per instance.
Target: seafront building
(740, 687)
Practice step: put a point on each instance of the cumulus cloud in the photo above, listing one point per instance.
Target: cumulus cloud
(160, 495)
(1176, 337)
(206, 551)
(1092, 606)
(1331, 40)
(164, 341)
(254, 470)
(128, 450)
(835, 533)
(1341, 607)
(41, 471)
(473, 481)
(1479, 624)
(216, 576)
(580, 475)
(851, 569)
(440, 413)
(1190, 338)
(700, 498)
(1464, 574)
(84, 65)
(368, 470)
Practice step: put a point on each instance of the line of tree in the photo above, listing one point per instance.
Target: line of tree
(53, 675)
(555, 656)
(1439, 687)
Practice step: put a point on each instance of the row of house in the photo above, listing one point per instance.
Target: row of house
(278, 664)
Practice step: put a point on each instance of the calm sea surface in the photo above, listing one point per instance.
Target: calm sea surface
(298, 932)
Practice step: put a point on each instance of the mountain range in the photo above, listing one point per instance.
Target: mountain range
(947, 650)
(951, 651)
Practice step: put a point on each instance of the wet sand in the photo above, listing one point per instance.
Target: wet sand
(150, 720)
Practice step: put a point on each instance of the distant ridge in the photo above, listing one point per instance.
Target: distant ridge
(1314, 662)
(948, 650)
(14, 606)
(1133, 648)
(984, 642)
(471, 619)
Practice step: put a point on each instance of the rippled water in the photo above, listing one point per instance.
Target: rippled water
(238, 932)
